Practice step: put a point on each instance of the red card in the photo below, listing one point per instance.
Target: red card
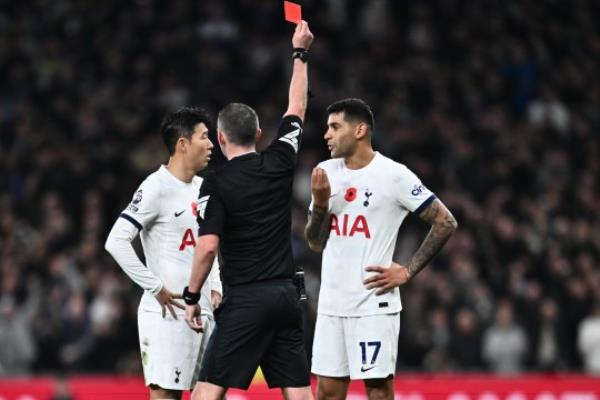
(293, 12)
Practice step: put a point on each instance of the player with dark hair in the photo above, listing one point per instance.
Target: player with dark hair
(359, 200)
(244, 213)
(163, 212)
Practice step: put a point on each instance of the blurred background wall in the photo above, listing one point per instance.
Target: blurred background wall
(495, 105)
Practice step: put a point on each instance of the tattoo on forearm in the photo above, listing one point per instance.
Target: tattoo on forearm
(443, 225)
(317, 229)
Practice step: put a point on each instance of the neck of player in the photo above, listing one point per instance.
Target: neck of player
(179, 170)
(360, 158)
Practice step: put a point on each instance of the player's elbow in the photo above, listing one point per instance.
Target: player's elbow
(316, 247)
(115, 247)
(208, 251)
(110, 245)
(452, 224)
(447, 223)
(310, 240)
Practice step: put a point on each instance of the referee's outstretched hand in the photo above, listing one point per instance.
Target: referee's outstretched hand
(167, 301)
(303, 37)
(192, 317)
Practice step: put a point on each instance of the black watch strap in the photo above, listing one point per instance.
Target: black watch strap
(300, 53)
(190, 298)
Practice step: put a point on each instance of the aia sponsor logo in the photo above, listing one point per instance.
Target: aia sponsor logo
(349, 226)
(187, 240)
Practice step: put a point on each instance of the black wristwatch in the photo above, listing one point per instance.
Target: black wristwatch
(190, 298)
(301, 54)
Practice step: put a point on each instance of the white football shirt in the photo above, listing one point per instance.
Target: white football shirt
(367, 207)
(164, 211)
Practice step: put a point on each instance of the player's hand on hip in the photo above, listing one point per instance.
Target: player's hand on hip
(193, 317)
(303, 37)
(167, 301)
(386, 278)
(215, 299)
(319, 185)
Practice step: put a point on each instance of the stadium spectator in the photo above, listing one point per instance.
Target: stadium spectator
(19, 349)
(504, 343)
(547, 339)
(465, 341)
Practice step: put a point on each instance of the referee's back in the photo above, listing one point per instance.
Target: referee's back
(244, 214)
(247, 202)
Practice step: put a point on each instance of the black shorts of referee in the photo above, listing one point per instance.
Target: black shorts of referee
(257, 324)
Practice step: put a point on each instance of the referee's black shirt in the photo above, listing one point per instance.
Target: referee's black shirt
(247, 202)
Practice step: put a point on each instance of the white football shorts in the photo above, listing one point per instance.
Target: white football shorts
(171, 351)
(358, 347)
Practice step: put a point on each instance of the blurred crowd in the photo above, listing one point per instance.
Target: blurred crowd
(495, 105)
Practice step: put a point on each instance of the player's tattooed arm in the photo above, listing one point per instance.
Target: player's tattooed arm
(317, 229)
(443, 225)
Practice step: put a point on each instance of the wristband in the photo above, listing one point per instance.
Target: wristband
(300, 53)
(190, 298)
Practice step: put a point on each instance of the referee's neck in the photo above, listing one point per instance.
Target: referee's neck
(237, 151)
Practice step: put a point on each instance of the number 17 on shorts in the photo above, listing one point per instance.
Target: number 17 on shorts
(358, 347)
(369, 365)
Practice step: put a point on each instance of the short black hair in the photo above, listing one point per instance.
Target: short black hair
(355, 110)
(239, 122)
(181, 123)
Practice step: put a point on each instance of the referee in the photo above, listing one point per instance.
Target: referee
(244, 212)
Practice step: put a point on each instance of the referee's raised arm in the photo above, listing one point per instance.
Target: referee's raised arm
(298, 96)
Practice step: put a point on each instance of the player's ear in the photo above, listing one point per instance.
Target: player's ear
(258, 134)
(361, 130)
(181, 143)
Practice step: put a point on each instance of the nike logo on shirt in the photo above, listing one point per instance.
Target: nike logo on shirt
(177, 214)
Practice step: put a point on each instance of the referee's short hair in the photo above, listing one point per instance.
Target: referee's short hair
(181, 123)
(355, 110)
(239, 122)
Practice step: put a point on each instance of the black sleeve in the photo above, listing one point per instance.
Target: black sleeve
(211, 212)
(288, 140)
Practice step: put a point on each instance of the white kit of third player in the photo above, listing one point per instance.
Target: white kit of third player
(356, 334)
(367, 207)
